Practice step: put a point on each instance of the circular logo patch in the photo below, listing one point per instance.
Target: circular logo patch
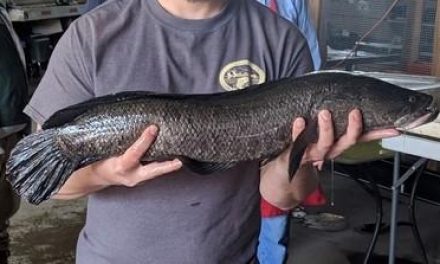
(241, 74)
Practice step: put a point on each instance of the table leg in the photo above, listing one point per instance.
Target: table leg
(394, 205)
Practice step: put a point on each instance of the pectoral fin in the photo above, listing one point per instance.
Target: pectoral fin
(296, 155)
(299, 147)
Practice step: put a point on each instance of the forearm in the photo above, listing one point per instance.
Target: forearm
(304, 183)
(277, 190)
(81, 183)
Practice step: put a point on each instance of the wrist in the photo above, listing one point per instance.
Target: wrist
(82, 182)
(97, 178)
(276, 188)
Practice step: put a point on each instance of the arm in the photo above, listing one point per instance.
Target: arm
(124, 170)
(278, 191)
(275, 186)
(300, 14)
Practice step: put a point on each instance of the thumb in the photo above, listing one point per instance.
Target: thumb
(134, 153)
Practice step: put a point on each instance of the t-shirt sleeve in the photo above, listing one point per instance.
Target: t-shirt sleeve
(298, 57)
(68, 78)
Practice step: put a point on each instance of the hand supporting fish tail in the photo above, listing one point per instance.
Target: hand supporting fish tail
(124, 170)
(127, 170)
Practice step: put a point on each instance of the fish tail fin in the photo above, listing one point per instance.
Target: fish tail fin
(37, 167)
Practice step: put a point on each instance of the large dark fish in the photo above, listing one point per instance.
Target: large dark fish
(207, 132)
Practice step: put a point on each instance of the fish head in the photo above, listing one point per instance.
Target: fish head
(383, 104)
(420, 109)
(400, 108)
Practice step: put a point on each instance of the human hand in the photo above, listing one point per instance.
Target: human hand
(275, 185)
(127, 170)
(326, 147)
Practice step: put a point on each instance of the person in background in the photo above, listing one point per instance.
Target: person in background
(90, 5)
(13, 98)
(274, 231)
(296, 11)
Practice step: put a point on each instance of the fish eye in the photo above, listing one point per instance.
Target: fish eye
(412, 99)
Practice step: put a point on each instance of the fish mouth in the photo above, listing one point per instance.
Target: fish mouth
(422, 116)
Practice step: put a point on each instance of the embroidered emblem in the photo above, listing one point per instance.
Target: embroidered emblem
(240, 74)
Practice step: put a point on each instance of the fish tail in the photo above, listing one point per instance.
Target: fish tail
(37, 167)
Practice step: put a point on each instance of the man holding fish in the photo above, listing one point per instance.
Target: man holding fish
(161, 212)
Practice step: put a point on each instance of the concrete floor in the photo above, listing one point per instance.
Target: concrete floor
(47, 234)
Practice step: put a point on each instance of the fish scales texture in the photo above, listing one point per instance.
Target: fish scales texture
(200, 131)
(249, 124)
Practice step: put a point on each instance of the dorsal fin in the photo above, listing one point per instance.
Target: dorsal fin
(69, 113)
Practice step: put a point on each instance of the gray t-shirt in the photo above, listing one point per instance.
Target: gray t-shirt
(137, 45)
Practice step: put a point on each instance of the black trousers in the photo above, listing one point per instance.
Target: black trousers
(9, 201)
(13, 97)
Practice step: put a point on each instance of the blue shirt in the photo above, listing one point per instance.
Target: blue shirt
(271, 249)
(296, 11)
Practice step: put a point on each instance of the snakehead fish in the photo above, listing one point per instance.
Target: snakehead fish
(207, 132)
